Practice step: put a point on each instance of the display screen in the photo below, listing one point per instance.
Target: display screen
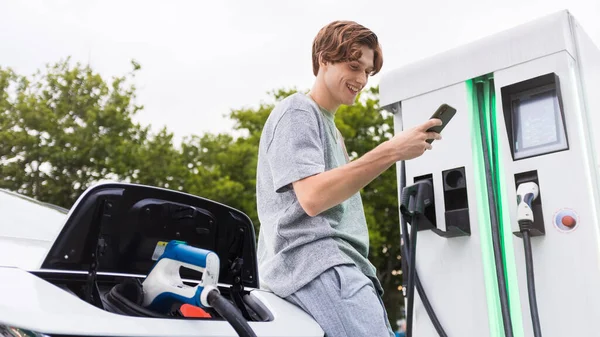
(537, 123)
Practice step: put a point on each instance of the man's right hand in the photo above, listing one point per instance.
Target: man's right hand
(412, 143)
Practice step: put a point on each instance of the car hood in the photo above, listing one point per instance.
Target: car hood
(27, 229)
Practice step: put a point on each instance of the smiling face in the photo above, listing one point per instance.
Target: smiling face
(344, 55)
(344, 80)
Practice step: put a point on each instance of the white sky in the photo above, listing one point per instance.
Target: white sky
(201, 59)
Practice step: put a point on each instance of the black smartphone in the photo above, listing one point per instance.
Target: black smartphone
(444, 113)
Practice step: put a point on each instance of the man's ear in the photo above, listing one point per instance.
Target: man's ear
(322, 62)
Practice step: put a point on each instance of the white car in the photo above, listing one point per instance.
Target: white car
(78, 272)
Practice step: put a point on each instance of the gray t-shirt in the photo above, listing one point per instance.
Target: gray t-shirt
(300, 140)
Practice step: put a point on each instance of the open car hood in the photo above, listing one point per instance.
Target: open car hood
(116, 228)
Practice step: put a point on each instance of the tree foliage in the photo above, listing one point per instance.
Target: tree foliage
(64, 129)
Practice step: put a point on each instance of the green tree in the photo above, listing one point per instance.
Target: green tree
(222, 170)
(66, 128)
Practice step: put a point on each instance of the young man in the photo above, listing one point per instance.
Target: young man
(313, 243)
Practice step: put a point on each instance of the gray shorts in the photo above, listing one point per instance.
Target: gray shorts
(344, 303)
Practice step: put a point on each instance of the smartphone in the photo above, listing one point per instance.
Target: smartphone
(444, 113)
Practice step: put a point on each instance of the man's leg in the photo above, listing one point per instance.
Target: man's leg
(344, 302)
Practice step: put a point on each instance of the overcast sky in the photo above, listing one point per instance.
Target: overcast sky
(201, 59)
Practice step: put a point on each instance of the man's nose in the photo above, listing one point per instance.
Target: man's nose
(362, 80)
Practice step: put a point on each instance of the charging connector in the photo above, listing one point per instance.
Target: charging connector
(527, 192)
(414, 202)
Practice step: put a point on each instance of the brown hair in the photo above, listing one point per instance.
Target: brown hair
(340, 41)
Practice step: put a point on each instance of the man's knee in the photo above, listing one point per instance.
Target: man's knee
(344, 302)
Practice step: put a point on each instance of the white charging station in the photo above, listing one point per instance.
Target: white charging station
(528, 108)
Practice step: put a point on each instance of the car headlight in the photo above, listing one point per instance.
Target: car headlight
(11, 331)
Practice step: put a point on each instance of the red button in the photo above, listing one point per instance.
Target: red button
(568, 221)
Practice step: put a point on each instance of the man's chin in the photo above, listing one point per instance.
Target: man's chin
(349, 101)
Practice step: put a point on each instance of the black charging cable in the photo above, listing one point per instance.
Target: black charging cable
(535, 318)
(420, 290)
(413, 202)
(230, 313)
(411, 276)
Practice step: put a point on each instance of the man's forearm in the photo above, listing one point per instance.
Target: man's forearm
(320, 192)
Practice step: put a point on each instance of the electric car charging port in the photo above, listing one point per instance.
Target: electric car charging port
(124, 295)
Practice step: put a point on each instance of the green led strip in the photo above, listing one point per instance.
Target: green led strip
(499, 189)
(484, 225)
